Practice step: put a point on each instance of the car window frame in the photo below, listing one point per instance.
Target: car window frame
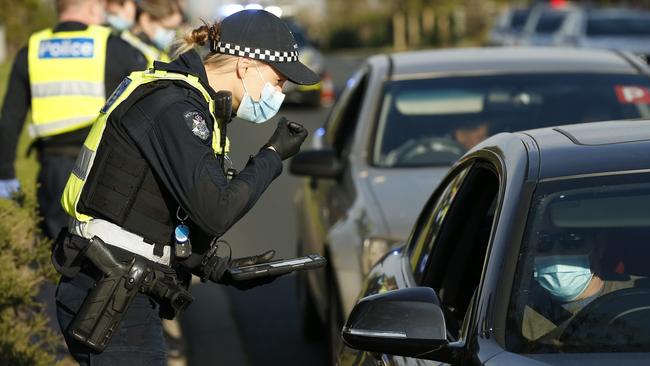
(425, 219)
(496, 169)
(340, 110)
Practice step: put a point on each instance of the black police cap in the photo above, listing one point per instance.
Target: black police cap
(260, 35)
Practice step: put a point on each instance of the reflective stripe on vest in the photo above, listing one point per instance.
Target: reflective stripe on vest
(86, 158)
(66, 75)
(150, 52)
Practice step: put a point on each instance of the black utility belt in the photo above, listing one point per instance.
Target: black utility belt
(116, 286)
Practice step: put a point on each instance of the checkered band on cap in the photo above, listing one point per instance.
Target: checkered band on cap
(256, 53)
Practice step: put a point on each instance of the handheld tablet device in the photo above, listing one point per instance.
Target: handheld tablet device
(278, 267)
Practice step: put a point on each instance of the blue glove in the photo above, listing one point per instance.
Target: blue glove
(8, 187)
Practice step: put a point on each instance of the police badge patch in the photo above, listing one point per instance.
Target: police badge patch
(197, 124)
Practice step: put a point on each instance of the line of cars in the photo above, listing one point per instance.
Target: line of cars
(402, 121)
(624, 29)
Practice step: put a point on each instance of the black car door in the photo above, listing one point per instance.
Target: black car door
(452, 256)
(422, 237)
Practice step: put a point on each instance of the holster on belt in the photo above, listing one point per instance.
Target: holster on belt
(108, 301)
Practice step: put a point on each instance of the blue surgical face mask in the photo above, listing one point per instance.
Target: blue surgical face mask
(118, 23)
(164, 38)
(565, 277)
(264, 109)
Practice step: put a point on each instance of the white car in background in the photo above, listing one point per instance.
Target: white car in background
(509, 26)
(545, 24)
(621, 29)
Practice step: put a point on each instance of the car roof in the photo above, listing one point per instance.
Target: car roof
(592, 148)
(613, 13)
(417, 64)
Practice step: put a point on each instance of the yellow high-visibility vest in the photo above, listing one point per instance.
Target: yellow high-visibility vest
(150, 52)
(66, 76)
(84, 163)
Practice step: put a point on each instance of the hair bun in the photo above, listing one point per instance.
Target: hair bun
(205, 34)
(200, 35)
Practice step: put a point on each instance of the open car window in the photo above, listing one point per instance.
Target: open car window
(582, 277)
(458, 252)
(429, 223)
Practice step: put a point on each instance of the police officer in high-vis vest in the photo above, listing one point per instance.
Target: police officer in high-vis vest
(152, 190)
(155, 28)
(63, 75)
(120, 15)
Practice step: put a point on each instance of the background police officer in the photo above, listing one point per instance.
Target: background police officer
(155, 28)
(64, 75)
(120, 15)
(153, 164)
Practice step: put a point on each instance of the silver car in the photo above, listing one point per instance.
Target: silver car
(508, 27)
(404, 119)
(617, 29)
(545, 24)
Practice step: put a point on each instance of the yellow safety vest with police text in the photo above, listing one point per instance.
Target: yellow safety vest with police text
(84, 163)
(150, 52)
(66, 75)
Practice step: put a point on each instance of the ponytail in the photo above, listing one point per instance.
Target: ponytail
(207, 35)
(201, 36)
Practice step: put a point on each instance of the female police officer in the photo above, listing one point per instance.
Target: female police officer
(151, 174)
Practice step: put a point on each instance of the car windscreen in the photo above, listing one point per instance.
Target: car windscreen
(581, 284)
(549, 22)
(434, 121)
(518, 19)
(622, 26)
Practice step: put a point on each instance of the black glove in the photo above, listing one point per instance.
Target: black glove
(213, 266)
(253, 259)
(247, 261)
(287, 138)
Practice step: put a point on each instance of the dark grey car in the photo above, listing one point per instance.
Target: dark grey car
(401, 123)
(473, 286)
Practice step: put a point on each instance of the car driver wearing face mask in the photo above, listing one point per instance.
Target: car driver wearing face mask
(567, 276)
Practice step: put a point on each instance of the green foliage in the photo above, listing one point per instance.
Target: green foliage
(364, 29)
(23, 17)
(25, 337)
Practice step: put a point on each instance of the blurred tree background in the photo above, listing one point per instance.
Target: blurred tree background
(407, 24)
(22, 17)
(411, 24)
(25, 337)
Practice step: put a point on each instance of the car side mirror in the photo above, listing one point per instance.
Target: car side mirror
(406, 322)
(323, 163)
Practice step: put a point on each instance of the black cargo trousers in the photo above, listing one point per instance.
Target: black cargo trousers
(52, 178)
(138, 340)
(55, 168)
